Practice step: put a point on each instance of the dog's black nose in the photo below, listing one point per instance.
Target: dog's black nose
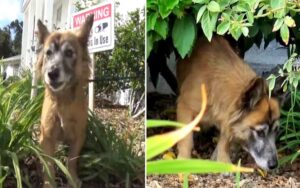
(272, 164)
(53, 74)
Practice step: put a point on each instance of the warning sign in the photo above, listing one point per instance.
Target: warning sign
(102, 34)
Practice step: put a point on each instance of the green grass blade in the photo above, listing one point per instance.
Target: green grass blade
(16, 165)
(64, 170)
(191, 166)
(163, 123)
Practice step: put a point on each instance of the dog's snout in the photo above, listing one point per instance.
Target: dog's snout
(54, 74)
(272, 164)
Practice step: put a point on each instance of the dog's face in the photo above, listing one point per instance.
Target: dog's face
(258, 125)
(64, 55)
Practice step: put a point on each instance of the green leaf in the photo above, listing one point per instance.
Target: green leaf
(295, 83)
(151, 20)
(245, 31)
(289, 66)
(166, 6)
(235, 31)
(279, 6)
(161, 27)
(271, 84)
(163, 123)
(205, 25)
(213, 6)
(191, 166)
(200, 13)
(213, 20)
(285, 33)
(200, 1)
(276, 4)
(284, 87)
(250, 17)
(184, 34)
(149, 43)
(223, 27)
(243, 7)
(289, 21)
(278, 23)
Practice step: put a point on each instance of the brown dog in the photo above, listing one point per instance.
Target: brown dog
(238, 103)
(64, 66)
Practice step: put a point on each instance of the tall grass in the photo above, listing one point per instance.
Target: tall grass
(108, 157)
(105, 156)
(18, 116)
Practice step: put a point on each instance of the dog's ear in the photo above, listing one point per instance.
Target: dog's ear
(256, 90)
(84, 31)
(42, 32)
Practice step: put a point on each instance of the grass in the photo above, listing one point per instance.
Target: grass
(18, 116)
(290, 130)
(105, 156)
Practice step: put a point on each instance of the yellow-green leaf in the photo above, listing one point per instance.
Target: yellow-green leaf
(206, 26)
(213, 6)
(223, 27)
(278, 23)
(285, 33)
(200, 13)
(289, 21)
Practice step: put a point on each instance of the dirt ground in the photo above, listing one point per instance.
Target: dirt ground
(125, 125)
(163, 107)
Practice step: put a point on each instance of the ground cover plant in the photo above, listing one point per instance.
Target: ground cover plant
(105, 159)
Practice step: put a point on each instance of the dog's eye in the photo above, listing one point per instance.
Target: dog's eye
(48, 52)
(260, 133)
(69, 53)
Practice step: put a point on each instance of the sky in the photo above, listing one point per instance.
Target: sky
(130, 5)
(11, 9)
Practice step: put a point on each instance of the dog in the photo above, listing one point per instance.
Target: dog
(64, 65)
(238, 103)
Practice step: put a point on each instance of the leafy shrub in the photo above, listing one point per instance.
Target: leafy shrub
(290, 115)
(182, 20)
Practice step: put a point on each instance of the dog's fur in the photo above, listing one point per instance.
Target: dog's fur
(63, 64)
(238, 102)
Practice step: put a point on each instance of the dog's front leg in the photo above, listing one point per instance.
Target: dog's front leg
(222, 150)
(185, 146)
(48, 142)
(76, 145)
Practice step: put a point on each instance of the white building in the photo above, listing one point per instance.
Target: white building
(55, 14)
